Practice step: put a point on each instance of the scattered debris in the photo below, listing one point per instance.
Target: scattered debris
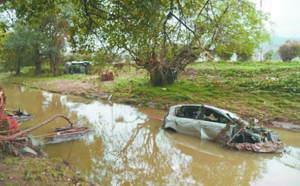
(255, 138)
(18, 115)
(262, 147)
(18, 143)
(28, 150)
(107, 75)
(63, 134)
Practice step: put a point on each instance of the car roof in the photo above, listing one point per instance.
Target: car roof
(221, 111)
(224, 112)
(186, 105)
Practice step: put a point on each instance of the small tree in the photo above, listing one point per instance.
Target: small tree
(224, 52)
(18, 47)
(245, 52)
(268, 55)
(289, 50)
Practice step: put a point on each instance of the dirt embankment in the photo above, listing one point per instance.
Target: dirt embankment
(72, 87)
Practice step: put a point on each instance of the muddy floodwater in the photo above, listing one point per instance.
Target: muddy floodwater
(128, 146)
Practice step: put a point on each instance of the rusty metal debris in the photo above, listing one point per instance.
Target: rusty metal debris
(17, 142)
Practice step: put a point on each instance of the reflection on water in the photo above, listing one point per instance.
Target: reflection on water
(129, 147)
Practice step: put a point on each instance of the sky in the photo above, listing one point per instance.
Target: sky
(285, 14)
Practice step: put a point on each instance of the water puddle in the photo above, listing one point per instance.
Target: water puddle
(128, 146)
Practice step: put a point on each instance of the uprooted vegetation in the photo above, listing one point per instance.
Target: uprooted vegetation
(268, 91)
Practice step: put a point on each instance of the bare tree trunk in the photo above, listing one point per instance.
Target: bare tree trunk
(161, 75)
(18, 71)
(37, 61)
(57, 64)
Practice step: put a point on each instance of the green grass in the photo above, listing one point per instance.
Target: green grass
(265, 90)
(38, 171)
(254, 89)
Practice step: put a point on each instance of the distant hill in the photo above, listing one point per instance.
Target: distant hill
(276, 42)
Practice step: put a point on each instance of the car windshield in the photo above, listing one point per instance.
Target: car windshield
(234, 116)
(227, 114)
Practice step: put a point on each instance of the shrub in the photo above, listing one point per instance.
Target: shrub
(289, 50)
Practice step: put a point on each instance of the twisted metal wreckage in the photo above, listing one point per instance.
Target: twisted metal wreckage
(222, 125)
(17, 142)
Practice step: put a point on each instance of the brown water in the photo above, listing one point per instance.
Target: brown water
(128, 146)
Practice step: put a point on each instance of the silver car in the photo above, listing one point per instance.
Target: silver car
(199, 120)
(214, 123)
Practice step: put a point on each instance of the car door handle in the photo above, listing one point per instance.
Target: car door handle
(204, 126)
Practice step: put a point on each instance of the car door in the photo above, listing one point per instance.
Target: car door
(188, 126)
(213, 124)
(186, 121)
(211, 129)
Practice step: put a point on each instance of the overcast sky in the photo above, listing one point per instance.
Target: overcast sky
(285, 14)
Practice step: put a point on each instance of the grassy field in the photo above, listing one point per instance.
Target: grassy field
(264, 90)
(38, 171)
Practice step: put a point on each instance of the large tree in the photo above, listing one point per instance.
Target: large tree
(52, 19)
(161, 36)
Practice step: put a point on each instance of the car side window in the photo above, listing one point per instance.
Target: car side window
(188, 112)
(212, 116)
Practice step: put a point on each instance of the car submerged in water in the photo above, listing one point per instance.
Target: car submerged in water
(205, 121)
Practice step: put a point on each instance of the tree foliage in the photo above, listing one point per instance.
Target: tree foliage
(268, 55)
(224, 52)
(51, 19)
(289, 50)
(245, 51)
(160, 35)
(19, 47)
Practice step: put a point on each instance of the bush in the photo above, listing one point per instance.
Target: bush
(289, 50)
